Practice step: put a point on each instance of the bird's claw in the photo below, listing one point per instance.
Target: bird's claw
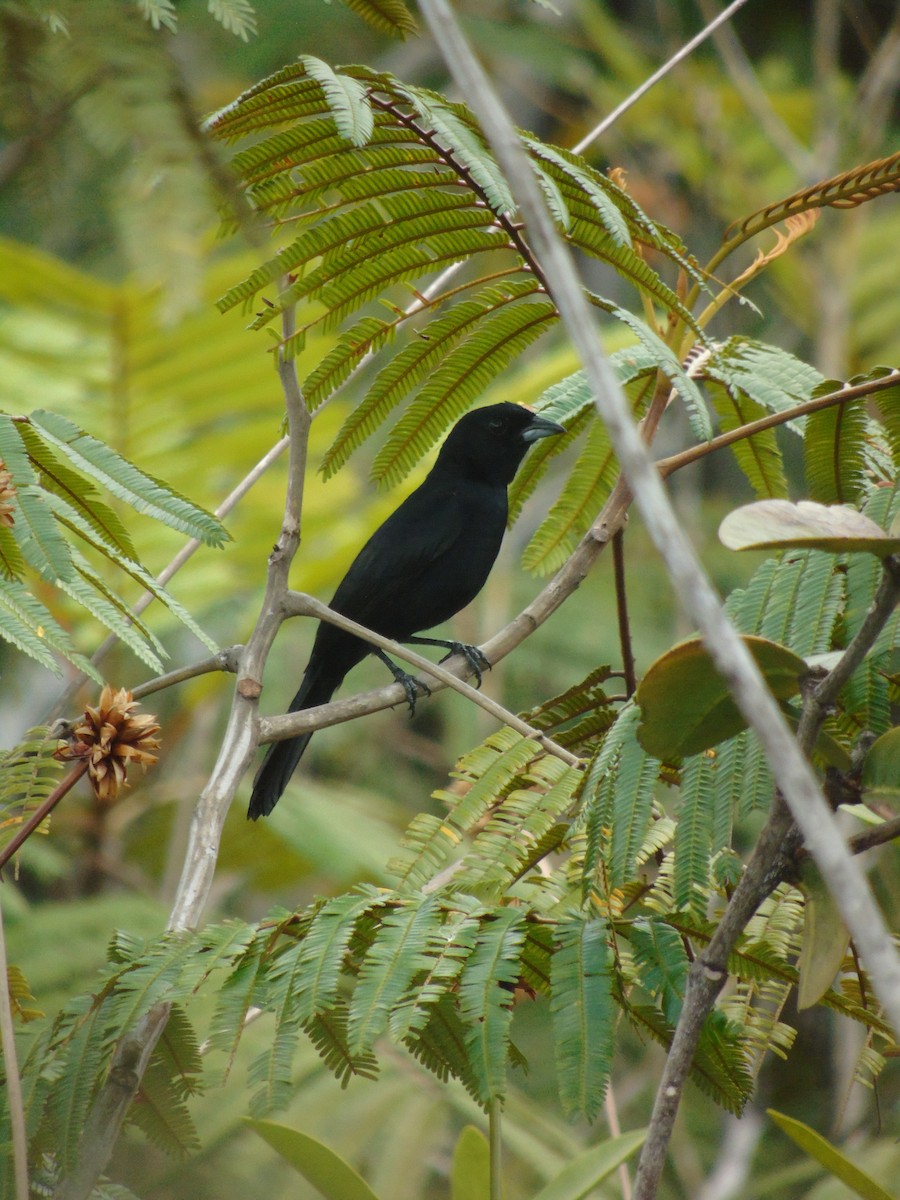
(413, 687)
(475, 659)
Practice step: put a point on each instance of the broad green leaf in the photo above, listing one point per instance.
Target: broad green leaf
(881, 770)
(316, 1162)
(825, 937)
(579, 1177)
(470, 1174)
(780, 524)
(829, 1157)
(686, 706)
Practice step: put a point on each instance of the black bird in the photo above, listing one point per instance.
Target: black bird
(428, 560)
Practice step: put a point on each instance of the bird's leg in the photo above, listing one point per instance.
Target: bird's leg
(411, 685)
(476, 660)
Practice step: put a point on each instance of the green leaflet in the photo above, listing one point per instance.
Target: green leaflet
(520, 830)
(126, 481)
(833, 449)
(571, 403)
(587, 487)
(485, 1000)
(78, 492)
(492, 768)
(413, 363)
(173, 1074)
(694, 833)
(346, 98)
(759, 457)
(464, 373)
(386, 972)
(583, 1013)
(389, 16)
(617, 802)
(448, 945)
(28, 774)
(662, 963)
(27, 624)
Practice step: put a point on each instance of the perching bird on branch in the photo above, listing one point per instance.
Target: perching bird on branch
(427, 561)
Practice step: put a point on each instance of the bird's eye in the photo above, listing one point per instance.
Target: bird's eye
(496, 425)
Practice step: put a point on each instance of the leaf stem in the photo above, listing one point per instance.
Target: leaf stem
(496, 1149)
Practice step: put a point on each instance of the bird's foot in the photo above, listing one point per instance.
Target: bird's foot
(477, 662)
(412, 686)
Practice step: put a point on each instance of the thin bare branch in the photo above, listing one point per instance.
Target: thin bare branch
(687, 49)
(41, 813)
(675, 462)
(226, 660)
(879, 835)
(299, 604)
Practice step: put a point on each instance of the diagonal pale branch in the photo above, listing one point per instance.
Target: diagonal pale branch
(299, 604)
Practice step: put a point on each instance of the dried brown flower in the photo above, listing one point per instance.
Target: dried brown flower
(7, 497)
(111, 737)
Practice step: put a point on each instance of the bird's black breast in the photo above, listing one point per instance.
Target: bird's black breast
(428, 560)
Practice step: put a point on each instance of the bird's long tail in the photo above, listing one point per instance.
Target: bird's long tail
(281, 759)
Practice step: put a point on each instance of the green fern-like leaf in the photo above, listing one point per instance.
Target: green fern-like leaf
(583, 1013)
(387, 16)
(485, 999)
(394, 958)
(447, 947)
(492, 770)
(28, 775)
(71, 1097)
(662, 964)
(79, 493)
(517, 832)
(126, 481)
(571, 404)
(415, 362)
(759, 457)
(834, 450)
(464, 373)
(29, 626)
(588, 485)
(328, 1033)
(693, 836)
(173, 1074)
(617, 801)
(347, 99)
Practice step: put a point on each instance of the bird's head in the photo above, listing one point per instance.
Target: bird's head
(488, 444)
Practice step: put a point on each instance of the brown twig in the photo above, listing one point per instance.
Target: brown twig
(41, 813)
(628, 672)
(674, 462)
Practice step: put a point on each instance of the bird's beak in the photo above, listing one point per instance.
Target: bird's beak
(540, 427)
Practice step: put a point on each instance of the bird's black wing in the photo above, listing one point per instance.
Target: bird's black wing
(427, 560)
